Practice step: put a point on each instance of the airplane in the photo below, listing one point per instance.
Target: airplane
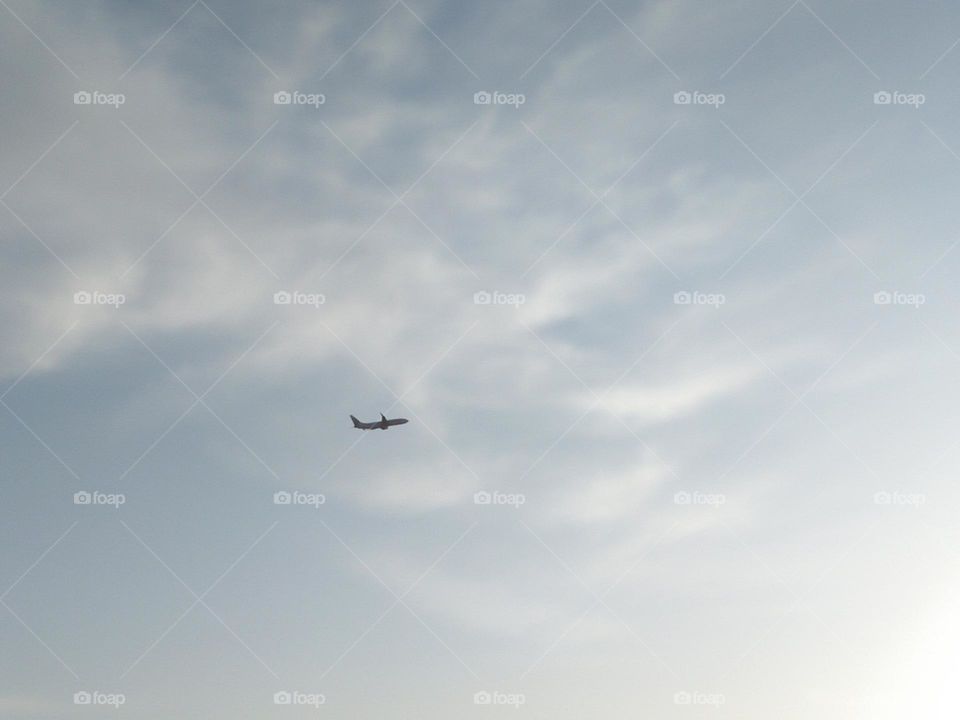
(381, 424)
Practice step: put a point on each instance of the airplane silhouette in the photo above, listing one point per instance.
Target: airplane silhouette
(381, 424)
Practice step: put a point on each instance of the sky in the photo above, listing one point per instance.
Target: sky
(665, 288)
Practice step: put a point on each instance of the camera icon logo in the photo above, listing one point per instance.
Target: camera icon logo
(682, 98)
(682, 698)
(82, 498)
(282, 298)
(882, 98)
(682, 498)
(482, 98)
(482, 298)
(482, 698)
(883, 498)
(882, 298)
(482, 498)
(282, 698)
(682, 298)
(82, 298)
(282, 98)
(282, 497)
(82, 698)
(82, 98)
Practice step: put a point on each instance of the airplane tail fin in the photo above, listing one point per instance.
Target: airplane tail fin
(356, 423)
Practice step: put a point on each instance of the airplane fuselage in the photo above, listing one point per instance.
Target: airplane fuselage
(382, 424)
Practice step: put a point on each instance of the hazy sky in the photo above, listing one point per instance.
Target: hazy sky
(712, 398)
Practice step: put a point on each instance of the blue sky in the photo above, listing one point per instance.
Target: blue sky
(678, 301)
